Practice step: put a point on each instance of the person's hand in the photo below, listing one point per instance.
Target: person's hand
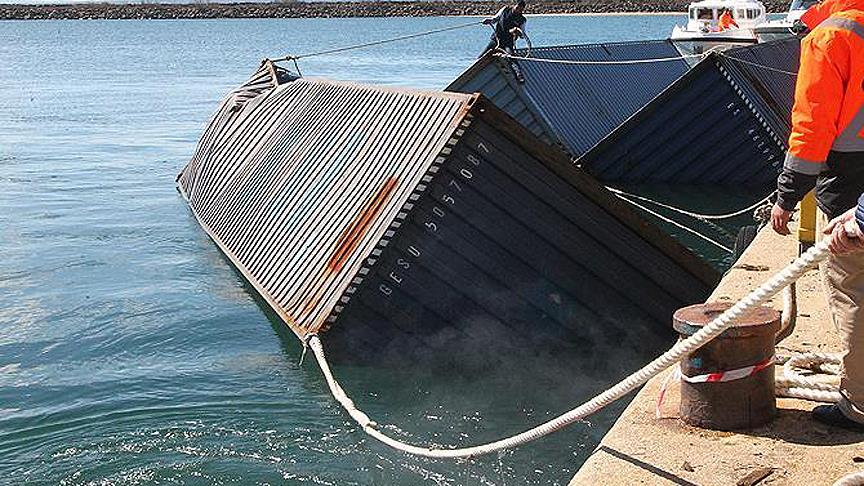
(846, 236)
(798, 27)
(516, 32)
(780, 219)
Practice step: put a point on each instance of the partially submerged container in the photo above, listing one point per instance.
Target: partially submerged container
(635, 116)
(631, 112)
(407, 219)
(725, 123)
(577, 102)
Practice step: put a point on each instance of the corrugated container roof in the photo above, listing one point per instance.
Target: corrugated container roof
(576, 105)
(486, 76)
(767, 73)
(718, 124)
(303, 180)
(394, 214)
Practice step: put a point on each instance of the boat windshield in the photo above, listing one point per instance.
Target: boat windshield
(747, 13)
(802, 4)
(702, 13)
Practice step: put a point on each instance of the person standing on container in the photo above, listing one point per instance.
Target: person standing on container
(509, 24)
(826, 150)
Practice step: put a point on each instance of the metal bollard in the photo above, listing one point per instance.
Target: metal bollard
(728, 384)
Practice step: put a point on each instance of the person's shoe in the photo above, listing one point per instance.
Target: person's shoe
(831, 415)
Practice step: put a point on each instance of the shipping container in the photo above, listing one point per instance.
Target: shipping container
(402, 220)
(577, 102)
(724, 123)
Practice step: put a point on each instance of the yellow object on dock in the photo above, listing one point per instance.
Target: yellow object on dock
(792, 450)
(807, 226)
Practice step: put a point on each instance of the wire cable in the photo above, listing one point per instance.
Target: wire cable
(601, 63)
(704, 217)
(676, 224)
(377, 43)
(756, 64)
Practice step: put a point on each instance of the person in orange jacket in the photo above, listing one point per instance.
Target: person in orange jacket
(826, 150)
(726, 22)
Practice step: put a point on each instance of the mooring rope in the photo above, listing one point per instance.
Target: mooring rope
(377, 43)
(794, 385)
(681, 349)
(647, 61)
(676, 224)
(703, 217)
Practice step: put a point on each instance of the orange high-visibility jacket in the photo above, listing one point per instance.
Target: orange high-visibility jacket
(726, 21)
(829, 94)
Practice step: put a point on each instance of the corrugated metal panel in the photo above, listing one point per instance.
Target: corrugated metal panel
(488, 77)
(702, 130)
(763, 73)
(305, 178)
(521, 245)
(579, 103)
(400, 216)
(584, 103)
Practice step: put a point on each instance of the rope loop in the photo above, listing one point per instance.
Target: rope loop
(775, 284)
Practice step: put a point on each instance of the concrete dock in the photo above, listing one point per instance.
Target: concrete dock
(792, 450)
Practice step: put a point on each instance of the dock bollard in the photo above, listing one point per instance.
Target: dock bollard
(728, 384)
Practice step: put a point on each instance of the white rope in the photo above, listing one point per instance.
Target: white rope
(601, 63)
(703, 217)
(794, 385)
(681, 349)
(677, 224)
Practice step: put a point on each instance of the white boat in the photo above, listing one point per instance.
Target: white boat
(782, 28)
(703, 31)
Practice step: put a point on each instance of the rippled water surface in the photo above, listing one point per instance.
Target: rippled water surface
(131, 353)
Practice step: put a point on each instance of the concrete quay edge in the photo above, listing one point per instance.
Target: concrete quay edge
(792, 450)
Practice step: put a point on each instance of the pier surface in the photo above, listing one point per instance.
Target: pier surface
(792, 450)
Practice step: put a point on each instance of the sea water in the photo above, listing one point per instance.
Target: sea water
(131, 352)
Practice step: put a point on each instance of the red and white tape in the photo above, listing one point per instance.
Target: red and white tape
(731, 375)
(717, 377)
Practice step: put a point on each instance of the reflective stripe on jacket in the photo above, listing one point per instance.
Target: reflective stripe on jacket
(829, 94)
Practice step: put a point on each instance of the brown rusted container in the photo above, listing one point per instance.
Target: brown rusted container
(742, 403)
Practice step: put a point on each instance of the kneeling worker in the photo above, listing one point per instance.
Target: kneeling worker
(826, 150)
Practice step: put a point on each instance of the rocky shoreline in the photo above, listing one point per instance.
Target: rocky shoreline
(296, 9)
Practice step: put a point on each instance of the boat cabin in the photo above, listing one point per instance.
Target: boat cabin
(706, 14)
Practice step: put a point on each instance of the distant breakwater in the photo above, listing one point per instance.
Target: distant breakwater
(330, 9)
